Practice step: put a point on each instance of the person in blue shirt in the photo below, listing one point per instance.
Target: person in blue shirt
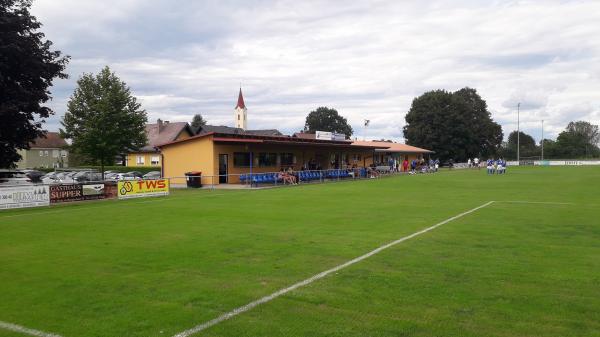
(490, 166)
(501, 166)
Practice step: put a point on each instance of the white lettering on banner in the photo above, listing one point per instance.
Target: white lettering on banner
(572, 162)
(24, 196)
(562, 162)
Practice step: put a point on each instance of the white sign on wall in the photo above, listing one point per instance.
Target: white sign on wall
(324, 135)
(24, 196)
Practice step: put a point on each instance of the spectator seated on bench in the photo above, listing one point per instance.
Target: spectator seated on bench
(372, 172)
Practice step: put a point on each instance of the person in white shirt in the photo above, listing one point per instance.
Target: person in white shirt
(476, 162)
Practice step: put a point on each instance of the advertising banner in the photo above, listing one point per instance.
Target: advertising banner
(76, 192)
(64, 193)
(92, 191)
(143, 188)
(571, 162)
(110, 190)
(24, 196)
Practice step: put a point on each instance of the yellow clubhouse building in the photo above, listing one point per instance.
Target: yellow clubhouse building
(223, 157)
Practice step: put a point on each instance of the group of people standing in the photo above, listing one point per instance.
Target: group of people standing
(473, 163)
(421, 165)
(492, 165)
(496, 166)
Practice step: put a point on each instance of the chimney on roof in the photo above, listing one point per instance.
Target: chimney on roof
(160, 124)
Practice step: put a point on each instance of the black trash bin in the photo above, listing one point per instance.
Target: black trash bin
(193, 179)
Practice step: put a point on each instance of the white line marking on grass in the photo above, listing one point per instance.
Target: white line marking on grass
(24, 330)
(536, 202)
(316, 277)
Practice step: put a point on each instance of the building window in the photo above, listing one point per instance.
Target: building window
(287, 159)
(154, 160)
(267, 159)
(54, 153)
(63, 153)
(238, 117)
(46, 153)
(241, 159)
(41, 153)
(140, 160)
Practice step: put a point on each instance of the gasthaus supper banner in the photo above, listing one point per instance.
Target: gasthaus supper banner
(143, 188)
(76, 192)
(24, 196)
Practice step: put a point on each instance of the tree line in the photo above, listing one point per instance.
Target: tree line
(579, 140)
(457, 126)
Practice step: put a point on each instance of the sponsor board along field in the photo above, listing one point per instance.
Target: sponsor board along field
(456, 253)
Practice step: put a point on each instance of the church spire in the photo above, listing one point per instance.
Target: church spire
(240, 112)
(240, 102)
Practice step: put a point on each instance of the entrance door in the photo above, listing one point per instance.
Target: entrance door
(222, 169)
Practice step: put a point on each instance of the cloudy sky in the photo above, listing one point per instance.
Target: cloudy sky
(367, 59)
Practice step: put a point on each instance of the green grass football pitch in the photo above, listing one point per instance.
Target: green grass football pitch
(160, 266)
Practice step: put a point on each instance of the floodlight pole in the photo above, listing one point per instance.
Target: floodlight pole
(542, 139)
(518, 134)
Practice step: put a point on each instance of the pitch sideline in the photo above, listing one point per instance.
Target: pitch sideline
(24, 330)
(268, 298)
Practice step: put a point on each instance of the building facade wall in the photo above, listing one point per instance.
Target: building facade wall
(43, 157)
(144, 159)
(189, 156)
(153, 159)
(322, 157)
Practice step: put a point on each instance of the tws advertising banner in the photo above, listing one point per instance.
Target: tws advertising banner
(143, 188)
(24, 196)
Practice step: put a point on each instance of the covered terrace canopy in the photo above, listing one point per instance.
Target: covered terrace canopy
(392, 147)
(225, 138)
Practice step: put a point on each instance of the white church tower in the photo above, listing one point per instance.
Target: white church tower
(240, 113)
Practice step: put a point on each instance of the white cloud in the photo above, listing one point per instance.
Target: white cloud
(367, 59)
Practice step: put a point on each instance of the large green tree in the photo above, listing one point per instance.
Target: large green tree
(27, 67)
(456, 125)
(103, 119)
(326, 119)
(528, 147)
(580, 139)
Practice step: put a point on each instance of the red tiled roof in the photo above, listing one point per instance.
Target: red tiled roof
(52, 140)
(393, 147)
(240, 103)
(168, 132)
(222, 137)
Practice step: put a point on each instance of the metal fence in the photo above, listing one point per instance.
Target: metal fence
(284, 178)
